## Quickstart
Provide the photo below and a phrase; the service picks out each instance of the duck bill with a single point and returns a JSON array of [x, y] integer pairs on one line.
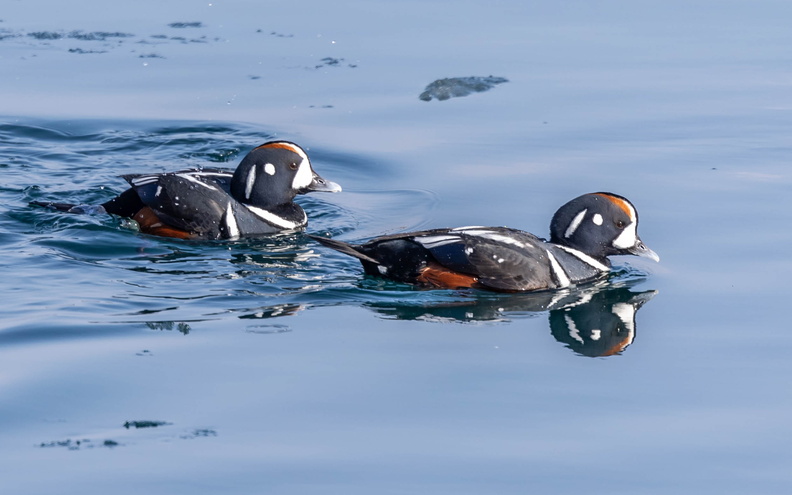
[[319, 184], [641, 250]]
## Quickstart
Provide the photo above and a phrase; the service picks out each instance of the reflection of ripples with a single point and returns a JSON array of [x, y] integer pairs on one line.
[[593, 320], [603, 326]]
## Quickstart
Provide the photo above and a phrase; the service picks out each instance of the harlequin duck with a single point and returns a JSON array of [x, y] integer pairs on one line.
[[583, 233], [256, 199]]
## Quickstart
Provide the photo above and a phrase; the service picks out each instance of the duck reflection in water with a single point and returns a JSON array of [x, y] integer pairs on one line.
[[595, 321]]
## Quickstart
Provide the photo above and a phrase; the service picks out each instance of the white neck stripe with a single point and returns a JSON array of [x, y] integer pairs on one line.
[[275, 219], [585, 258]]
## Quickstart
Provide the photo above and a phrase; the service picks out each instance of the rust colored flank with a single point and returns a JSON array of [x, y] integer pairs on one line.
[[150, 223], [439, 276]]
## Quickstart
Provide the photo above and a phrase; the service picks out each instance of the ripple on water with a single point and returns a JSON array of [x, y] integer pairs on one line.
[[93, 272]]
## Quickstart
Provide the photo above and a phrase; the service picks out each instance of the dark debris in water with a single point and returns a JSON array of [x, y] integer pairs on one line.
[[333, 62], [85, 443], [276, 34], [98, 35], [77, 35], [145, 424], [169, 326], [110, 39], [45, 35], [182, 25], [80, 51], [454, 87], [199, 433]]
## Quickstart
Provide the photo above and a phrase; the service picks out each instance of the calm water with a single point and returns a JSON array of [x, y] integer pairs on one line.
[[134, 364]]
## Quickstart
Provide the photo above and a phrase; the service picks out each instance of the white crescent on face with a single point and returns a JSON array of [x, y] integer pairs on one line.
[[305, 174], [629, 236]]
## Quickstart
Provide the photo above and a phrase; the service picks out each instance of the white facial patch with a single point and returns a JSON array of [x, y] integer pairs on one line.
[[628, 238], [250, 181], [269, 169], [597, 219], [304, 175], [575, 223]]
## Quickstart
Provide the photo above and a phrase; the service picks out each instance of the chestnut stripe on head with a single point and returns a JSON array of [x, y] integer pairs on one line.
[[622, 203], [285, 145]]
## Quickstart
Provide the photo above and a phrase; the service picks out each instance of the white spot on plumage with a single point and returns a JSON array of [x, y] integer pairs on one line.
[[269, 169], [596, 334], [382, 269], [159, 190], [560, 274], [468, 250], [575, 223], [250, 181], [597, 219]]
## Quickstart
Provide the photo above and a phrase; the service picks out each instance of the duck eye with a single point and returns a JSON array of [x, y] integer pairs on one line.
[[620, 224], [293, 166]]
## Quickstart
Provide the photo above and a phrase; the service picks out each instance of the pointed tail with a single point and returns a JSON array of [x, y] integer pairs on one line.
[[54, 206], [70, 207], [343, 247]]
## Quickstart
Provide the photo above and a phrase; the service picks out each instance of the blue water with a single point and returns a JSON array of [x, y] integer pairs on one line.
[[134, 364]]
